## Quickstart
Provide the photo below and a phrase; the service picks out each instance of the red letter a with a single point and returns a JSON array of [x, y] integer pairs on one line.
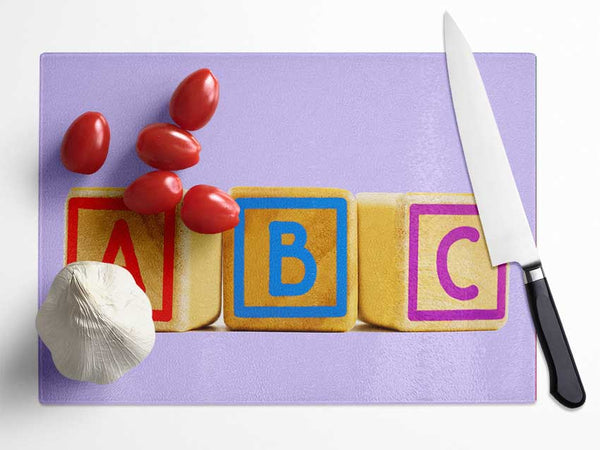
[[120, 238]]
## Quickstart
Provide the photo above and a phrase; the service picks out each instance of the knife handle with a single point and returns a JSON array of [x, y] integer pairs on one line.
[[565, 383]]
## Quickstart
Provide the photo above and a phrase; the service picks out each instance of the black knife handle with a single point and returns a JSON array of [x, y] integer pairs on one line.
[[565, 383]]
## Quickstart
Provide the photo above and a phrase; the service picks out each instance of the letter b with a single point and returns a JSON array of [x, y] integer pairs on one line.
[[297, 249]]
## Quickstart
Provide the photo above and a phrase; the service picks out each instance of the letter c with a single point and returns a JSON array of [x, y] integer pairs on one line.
[[457, 292]]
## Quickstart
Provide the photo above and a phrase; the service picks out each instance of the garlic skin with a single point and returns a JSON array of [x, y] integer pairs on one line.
[[96, 321]]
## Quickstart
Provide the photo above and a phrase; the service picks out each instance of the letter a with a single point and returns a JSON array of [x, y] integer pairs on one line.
[[120, 238]]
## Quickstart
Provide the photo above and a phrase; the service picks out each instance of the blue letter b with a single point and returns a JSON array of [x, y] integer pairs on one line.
[[297, 249]]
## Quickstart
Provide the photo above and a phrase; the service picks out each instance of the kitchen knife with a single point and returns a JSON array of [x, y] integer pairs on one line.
[[503, 218]]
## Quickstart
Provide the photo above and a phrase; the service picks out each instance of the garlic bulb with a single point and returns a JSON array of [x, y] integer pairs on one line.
[[96, 322]]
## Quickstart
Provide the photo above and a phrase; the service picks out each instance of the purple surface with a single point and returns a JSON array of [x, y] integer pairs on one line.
[[364, 122]]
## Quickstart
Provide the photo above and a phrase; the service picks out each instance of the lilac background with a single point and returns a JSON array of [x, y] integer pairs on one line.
[[364, 122]]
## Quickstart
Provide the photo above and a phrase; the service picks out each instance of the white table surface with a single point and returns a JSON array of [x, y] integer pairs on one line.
[[566, 38]]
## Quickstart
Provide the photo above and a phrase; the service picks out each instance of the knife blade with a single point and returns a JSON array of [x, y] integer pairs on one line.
[[505, 226]]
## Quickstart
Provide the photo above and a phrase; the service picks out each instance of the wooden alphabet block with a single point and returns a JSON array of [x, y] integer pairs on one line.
[[291, 263], [424, 266], [179, 270]]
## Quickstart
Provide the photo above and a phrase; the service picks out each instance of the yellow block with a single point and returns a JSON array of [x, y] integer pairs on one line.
[[179, 270], [291, 263], [424, 266]]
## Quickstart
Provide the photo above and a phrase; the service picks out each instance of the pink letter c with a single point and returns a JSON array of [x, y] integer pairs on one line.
[[457, 292]]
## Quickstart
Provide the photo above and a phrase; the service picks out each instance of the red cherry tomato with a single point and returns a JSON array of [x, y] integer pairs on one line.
[[85, 144], [167, 147], [195, 100], [207, 209], [154, 192]]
